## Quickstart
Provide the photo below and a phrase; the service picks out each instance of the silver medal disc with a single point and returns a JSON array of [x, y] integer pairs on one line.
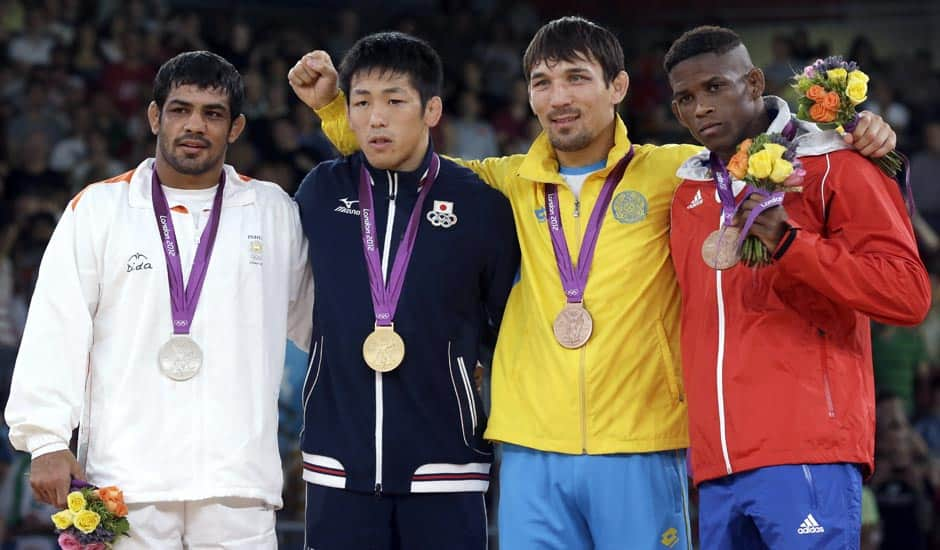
[[180, 358]]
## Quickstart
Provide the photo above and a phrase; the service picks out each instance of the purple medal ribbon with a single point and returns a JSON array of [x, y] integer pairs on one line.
[[385, 299], [183, 301], [575, 280], [728, 204]]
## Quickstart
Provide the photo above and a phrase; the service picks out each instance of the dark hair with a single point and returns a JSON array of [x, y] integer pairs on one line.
[[704, 39], [573, 38], [395, 53], [202, 69]]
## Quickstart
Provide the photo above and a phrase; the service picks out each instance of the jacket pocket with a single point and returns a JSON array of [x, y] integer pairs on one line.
[[673, 378], [824, 361], [468, 411], [313, 371]]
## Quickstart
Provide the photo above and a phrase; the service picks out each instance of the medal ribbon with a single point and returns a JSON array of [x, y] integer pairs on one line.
[[385, 300], [183, 301], [574, 280], [728, 205]]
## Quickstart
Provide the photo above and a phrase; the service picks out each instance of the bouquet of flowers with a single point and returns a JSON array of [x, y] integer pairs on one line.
[[769, 166], [94, 518], [829, 91]]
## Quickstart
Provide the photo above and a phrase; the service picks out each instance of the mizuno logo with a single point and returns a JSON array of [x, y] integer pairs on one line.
[[347, 207], [696, 200], [810, 526]]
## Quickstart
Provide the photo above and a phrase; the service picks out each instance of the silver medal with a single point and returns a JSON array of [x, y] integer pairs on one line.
[[180, 358]]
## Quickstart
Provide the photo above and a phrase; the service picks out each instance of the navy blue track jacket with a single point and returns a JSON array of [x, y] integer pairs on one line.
[[418, 428]]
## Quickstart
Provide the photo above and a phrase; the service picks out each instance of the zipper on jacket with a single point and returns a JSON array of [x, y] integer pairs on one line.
[[379, 403], [830, 407], [719, 371], [582, 376]]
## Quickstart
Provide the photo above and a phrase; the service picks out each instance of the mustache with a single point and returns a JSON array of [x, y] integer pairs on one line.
[[199, 139], [557, 113]]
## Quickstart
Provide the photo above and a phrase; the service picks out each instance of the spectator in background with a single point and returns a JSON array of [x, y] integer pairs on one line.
[[512, 123], [882, 100], [96, 165], [129, 78], [70, 151], [86, 54], [899, 357], [36, 115], [783, 64], [33, 46], [929, 424], [33, 173], [901, 481], [470, 136], [925, 167]]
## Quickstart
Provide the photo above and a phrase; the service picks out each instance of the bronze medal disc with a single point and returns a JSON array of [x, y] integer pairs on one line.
[[573, 326], [720, 249], [383, 350]]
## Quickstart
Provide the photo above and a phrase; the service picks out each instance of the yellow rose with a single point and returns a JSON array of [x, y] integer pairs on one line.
[[782, 170], [63, 519], [775, 150], [87, 521], [857, 76], [856, 91], [837, 75], [76, 502], [760, 164]]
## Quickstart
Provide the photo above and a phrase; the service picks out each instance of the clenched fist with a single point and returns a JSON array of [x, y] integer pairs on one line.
[[51, 475], [314, 79]]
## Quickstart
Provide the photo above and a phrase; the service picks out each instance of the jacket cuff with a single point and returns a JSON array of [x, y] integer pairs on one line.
[[45, 444], [334, 109]]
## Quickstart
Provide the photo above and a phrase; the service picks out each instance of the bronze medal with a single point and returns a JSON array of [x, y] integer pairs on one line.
[[573, 326], [720, 249], [383, 350]]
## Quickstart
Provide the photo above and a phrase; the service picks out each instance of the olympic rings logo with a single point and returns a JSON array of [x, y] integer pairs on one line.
[[442, 219]]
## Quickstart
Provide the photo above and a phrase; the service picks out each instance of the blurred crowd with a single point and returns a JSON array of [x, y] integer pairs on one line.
[[76, 77]]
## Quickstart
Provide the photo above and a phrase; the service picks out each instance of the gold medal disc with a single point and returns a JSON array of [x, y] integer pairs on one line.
[[383, 350]]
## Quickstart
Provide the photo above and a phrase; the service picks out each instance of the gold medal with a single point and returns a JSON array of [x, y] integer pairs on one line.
[[383, 350], [573, 326], [720, 249]]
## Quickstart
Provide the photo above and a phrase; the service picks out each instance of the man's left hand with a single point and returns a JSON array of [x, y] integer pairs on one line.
[[769, 226], [872, 137]]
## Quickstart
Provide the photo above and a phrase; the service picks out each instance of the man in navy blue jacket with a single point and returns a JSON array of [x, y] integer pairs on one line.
[[411, 263]]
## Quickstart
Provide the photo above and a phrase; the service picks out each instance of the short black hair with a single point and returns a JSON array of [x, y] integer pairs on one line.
[[698, 41], [572, 38], [395, 53], [202, 69]]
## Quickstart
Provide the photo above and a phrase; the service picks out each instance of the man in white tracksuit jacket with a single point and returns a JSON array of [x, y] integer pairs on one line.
[[191, 441]]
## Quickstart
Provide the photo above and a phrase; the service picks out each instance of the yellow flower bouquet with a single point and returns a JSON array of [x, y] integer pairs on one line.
[[769, 166], [829, 91], [93, 519]]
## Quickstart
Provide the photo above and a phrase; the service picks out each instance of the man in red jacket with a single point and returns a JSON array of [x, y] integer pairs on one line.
[[777, 360]]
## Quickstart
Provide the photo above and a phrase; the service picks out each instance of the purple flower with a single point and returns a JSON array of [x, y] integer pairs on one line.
[[95, 546]]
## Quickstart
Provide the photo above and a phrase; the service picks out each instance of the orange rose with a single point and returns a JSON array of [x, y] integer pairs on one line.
[[737, 166], [831, 101], [113, 499], [744, 146], [820, 113], [816, 92]]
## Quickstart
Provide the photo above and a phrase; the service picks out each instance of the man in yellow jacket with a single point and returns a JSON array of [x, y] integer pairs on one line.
[[587, 396]]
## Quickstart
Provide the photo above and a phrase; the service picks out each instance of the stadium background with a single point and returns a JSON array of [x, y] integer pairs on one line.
[[75, 78]]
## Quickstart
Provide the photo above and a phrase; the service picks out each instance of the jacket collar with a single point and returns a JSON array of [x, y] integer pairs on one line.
[[407, 181], [238, 189], [810, 140], [541, 164]]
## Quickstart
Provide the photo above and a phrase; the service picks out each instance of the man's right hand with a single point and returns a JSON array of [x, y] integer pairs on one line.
[[314, 79], [51, 476]]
